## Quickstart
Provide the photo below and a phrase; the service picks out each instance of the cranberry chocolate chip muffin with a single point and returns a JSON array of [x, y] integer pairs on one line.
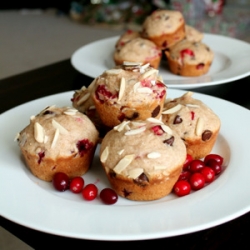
[[188, 58], [164, 27], [142, 159], [195, 123], [138, 50], [129, 92], [58, 140]]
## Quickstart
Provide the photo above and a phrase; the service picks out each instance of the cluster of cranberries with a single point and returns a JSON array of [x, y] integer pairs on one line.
[[89, 192], [196, 174]]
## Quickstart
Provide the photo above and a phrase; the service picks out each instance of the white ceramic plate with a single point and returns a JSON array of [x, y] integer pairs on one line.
[[231, 62], [33, 203]]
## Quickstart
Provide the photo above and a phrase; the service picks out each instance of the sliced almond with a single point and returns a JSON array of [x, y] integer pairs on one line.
[[32, 117], [167, 129], [136, 131], [153, 155], [126, 63], [188, 94], [57, 125], [104, 155], [121, 126], [70, 111], [120, 152], [56, 136], [134, 173], [154, 120], [83, 99], [122, 88], [149, 73], [123, 163], [172, 110], [145, 66], [136, 86], [199, 126], [192, 105], [38, 132]]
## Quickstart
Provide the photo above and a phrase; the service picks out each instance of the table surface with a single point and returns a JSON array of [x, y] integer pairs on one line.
[[61, 77]]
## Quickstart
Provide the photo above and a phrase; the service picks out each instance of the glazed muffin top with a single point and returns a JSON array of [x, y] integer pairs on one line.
[[138, 50], [143, 148], [58, 132], [190, 118], [162, 22], [187, 52], [130, 84]]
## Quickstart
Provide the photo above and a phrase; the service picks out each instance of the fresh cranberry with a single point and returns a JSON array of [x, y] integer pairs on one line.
[[83, 146], [108, 196], [182, 188], [157, 130], [40, 156], [89, 192], [215, 165], [197, 181], [60, 181], [76, 184], [189, 159], [215, 157], [196, 165], [208, 173], [184, 175], [200, 66], [103, 93]]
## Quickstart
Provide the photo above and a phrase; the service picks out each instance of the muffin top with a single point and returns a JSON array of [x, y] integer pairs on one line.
[[190, 118], [131, 84], [142, 149], [58, 132], [192, 34], [187, 52], [138, 50], [126, 37], [162, 22]]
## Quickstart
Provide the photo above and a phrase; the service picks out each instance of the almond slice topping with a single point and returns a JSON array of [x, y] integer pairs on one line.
[[153, 155], [167, 129], [136, 86], [104, 155], [192, 105], [70, 112], [136, 131], [83, 99], [56, 136], [149, 73], [122, 88], [121, 126], [154, 120], [62, 130], [126, 63], [172, 110], [134, 173], [38, 132], [120, 152], [199, 126], [123, 163]]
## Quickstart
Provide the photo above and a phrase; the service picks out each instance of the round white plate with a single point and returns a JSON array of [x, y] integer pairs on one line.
[[231, 62], [33, 203]]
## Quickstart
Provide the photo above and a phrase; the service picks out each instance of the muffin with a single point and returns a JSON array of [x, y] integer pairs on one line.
[[138, 50], [128, 92], [195, 122], [83, 102], [164, 27], [188, 58], [58, 140], [127, 36], [192, 34], [142, 159]]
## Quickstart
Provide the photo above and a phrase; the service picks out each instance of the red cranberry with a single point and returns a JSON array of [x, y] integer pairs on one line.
[[197, 181], [76, 184], [60, 181], [215, 157], [208, 173], [215, 165], [89, 192], [108, 196], [83, 146], [196, 165], [182, 188], [187, 162]]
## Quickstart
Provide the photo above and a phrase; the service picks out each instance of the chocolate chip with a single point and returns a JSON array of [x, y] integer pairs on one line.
[[177, 120], [169, 141], [126, 192], [48, 112], [164, 44], [112, 174], [156, 111], [133, 116], [141, 180], [206, 135]]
